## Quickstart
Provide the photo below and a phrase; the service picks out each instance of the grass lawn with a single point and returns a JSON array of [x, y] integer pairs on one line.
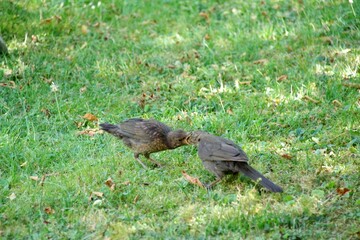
[[281, 78]]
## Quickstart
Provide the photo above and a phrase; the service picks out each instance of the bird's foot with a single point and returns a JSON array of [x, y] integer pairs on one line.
[[207, 186]]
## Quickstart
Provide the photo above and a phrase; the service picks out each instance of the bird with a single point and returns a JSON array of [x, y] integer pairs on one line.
[[222, 156], [146, 136]]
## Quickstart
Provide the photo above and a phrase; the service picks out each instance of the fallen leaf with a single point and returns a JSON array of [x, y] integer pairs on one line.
[[46, 112], [90, 132], [136, 199], [316, 140], [337, 103], [204, 15], [308, 98], [229, 111], [34, 38], [261, 61], [244, 83], [49, 210], [46, 21], [286, 156], [10, 84], [97, 202], [98, 194], [352, 85], [327, 40], [90, 117], [79, 124], [12, 196], [109, 182], [192, 180], [58, 18], [46, 222], [23, 164], [343, 52], [126, 183], [282, 78], [83, 89], [35, 178], [342, 191], [207, 37], [84, 29]]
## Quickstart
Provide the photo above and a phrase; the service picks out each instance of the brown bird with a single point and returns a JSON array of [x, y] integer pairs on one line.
[[146, 137], [222, 157]]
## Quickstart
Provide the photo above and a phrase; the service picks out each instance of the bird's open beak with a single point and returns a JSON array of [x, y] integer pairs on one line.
[[188, 139]]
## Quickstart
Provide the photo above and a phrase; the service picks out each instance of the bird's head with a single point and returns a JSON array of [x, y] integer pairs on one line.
[[177, 138]]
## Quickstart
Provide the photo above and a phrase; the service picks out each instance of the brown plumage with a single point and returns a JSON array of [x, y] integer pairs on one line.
[[146, 136], [222, 156]]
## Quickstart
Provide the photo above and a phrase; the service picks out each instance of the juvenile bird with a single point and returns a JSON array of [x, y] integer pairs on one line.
[[222, 156], [146, 137]]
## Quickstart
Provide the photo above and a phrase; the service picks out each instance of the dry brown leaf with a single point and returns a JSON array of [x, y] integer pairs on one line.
[[229, 111], [282, 78], [136, 199], [46, 112], [261, 61], [126, 183], [192, 180], [10, 84], [90, 132], [286, 156], [308, 98], [58, 18], [337, 103], [35, 178], [90, 117], [98, 194], [352, 85], [47, 21], [342, 191], [49, 210], [204, 15], [109, 182], [207, 37], [84, 29], [79, 124]]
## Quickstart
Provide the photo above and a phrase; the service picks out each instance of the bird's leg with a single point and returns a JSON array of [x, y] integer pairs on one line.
[[208, 186], [152, 160], [136, 155]]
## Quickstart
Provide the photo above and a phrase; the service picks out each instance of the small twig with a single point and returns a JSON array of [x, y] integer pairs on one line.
[[306, 97], [352, 85]]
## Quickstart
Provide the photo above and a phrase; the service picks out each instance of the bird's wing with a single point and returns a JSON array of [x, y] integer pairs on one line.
[[144, 130], [220, 149]]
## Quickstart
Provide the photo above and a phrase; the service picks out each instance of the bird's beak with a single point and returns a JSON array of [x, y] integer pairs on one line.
[[188, 139]]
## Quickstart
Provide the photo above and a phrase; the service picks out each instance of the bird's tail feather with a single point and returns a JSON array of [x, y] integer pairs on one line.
[[250, 172], [112, 129]]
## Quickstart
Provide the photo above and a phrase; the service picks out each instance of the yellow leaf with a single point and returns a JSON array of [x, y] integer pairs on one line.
[[90, 117], [192, 180]]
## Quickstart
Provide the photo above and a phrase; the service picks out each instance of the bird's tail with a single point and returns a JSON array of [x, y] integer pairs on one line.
[[247, 170], [112, 129]]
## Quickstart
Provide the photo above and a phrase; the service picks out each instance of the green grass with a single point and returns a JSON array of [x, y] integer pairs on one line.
[[165, 60]]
